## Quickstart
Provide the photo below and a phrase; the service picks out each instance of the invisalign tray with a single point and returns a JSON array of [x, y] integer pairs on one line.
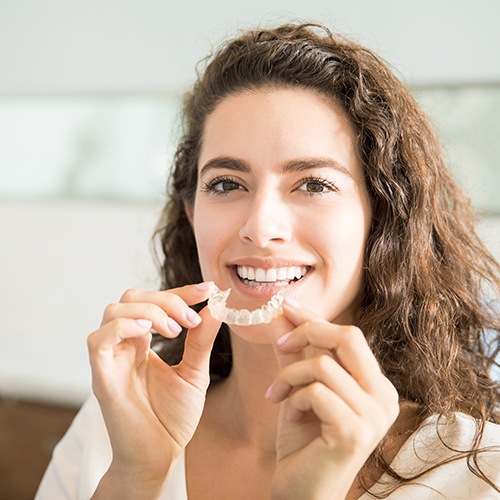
[[219, 311]]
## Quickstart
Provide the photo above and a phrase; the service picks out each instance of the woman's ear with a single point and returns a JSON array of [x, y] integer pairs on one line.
[[188, 208]]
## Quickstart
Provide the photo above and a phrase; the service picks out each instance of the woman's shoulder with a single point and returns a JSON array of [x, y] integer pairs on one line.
[[440, 439], [458, 431], [437, 457]]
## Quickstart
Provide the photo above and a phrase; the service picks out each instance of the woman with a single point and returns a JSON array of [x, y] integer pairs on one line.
[[305, 168]]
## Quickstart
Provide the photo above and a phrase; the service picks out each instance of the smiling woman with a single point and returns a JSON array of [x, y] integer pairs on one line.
[[290, 167], [306, 170]]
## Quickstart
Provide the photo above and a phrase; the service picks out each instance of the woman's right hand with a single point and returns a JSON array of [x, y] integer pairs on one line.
[[151, 409]]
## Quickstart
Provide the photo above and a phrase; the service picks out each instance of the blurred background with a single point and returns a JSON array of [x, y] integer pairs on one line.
[[89, 96]]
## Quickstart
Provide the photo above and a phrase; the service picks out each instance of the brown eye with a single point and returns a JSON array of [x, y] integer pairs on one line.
[[221, 186], [227, 186], [314, 187]]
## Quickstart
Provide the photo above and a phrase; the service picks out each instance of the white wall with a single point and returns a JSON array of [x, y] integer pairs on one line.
[[152, 45], [62, 261]]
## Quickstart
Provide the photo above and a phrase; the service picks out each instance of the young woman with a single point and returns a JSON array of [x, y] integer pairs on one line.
[[305, 168]]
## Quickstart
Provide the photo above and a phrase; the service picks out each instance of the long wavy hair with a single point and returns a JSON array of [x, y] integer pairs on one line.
[[426, 308]]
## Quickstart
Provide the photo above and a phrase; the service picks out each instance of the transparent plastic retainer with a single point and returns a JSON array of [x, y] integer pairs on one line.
[[244, 317]]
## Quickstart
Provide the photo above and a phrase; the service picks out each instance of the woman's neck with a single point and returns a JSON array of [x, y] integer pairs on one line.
[[238, 405]]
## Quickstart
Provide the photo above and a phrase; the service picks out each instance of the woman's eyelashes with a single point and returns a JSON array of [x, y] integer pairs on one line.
[[222, 185], [316, 186]]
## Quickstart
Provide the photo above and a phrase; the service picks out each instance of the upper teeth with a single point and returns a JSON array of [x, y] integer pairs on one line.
[[272, 274]]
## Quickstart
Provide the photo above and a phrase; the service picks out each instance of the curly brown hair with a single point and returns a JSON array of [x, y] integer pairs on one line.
[[424, 307]]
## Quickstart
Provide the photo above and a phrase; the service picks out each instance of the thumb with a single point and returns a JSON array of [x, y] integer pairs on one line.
[[198, 347]]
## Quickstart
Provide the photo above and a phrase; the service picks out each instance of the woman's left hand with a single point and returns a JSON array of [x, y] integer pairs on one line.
[[336, 406]]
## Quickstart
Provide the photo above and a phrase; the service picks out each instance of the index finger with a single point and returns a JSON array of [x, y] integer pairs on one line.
[[175, 302], [193, 294], [190, 294]]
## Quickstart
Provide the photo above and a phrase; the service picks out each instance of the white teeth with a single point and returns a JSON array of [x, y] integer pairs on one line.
[[243, 271], [260, 274], [281, 274], [251, 273], [271, 275], [219, 311]]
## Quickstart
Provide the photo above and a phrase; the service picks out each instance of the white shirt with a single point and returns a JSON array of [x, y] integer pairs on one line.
[[83, 455]]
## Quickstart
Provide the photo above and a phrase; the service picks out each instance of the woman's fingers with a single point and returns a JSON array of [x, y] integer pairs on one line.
[[122, 340], [335, 401], [160, 320], [327, 377], [202, 328], [350, 350], [347, 343], [116, 331], [325, 404], [338, 361], [340, 424], [124, 336], [323, 369], [168, 310], [174, 302]]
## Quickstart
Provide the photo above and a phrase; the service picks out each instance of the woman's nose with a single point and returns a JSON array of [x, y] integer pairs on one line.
[[268, 221]]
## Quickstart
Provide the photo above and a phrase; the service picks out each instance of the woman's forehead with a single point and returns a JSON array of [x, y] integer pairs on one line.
[[279, 126]]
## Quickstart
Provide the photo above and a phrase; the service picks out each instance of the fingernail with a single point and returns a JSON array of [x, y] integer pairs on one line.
[[174, 326], [290, 301], [203, 287], [269, 392], [144, 323], [193, 317], [283, 338]]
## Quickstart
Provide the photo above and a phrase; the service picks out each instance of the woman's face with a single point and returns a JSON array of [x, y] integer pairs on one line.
[[281, 203]]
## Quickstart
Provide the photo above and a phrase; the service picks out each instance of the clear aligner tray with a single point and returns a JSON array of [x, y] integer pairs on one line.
[[265, 314]]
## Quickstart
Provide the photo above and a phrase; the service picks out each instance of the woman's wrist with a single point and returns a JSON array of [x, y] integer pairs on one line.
[[130, 484]]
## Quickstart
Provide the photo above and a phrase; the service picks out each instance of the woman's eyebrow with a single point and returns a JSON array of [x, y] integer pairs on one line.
[[311, 163], [225, 162], [300, 165]]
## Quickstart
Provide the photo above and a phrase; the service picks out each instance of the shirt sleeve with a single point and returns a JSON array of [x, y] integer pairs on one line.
[[80, 459]]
